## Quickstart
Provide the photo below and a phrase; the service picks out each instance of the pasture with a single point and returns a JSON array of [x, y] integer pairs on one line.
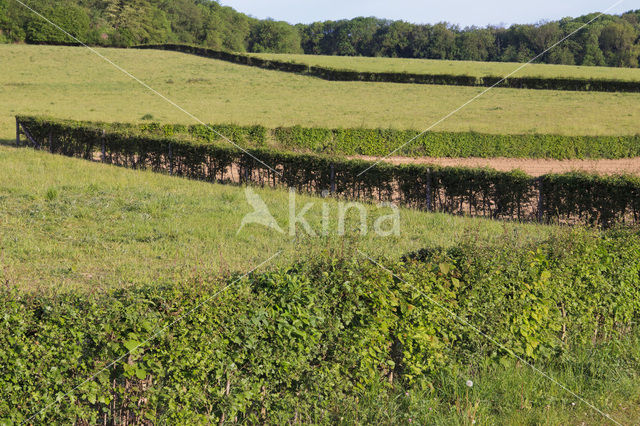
[[71, 82], [77, 225], [470, 68]]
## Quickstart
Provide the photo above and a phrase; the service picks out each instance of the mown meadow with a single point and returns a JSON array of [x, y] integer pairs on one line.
[[70, 82], [471, 68]]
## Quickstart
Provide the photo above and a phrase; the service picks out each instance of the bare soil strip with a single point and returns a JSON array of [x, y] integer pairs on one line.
[[531, 166]]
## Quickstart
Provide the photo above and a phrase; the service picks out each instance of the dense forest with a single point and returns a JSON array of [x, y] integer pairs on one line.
[[612, 40]]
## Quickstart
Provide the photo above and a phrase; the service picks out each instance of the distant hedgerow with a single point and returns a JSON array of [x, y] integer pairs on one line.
[[544, 83]]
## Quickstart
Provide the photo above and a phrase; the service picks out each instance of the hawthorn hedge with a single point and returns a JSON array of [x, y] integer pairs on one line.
[[514, 195], [379, 142], [543, 83], [287, 345]]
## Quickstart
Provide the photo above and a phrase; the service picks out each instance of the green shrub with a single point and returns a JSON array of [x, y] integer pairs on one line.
[[380, 142], [286, 344]]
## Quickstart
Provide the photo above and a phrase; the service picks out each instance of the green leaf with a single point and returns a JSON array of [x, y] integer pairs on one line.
[[131, 345], [445, 268], [141, 373]]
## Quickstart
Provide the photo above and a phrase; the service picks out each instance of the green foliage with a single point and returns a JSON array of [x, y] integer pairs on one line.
[[573, 197], [289, 343], [274, 37], [611, 40], [579, 195], [131, 21], [244, 135], [331, 74], [52, 194], [67, 15], [379, 142], [617, 40], [4, 20], [572, 289], [123, 23]]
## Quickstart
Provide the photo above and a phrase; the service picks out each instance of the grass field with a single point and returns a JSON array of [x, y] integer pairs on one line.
[[70, 82], [73, 224], [472, 68]]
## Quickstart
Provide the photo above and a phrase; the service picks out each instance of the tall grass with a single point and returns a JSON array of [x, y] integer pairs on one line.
[[512, 394]]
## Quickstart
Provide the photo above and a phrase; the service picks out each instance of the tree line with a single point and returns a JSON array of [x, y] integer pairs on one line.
[[612, 40]]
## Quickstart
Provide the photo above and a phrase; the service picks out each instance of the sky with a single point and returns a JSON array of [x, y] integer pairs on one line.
[[461, 12]]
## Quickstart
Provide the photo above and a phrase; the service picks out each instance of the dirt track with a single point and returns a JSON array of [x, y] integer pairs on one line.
[[533, 167]]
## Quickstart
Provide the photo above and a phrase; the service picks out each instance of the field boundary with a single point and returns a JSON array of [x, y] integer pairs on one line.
[[333, 74], [378, 142], [573, 198]]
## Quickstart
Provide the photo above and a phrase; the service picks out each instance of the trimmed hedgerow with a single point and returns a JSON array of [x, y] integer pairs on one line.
[[380, 142], [574, 197], [574, 84]]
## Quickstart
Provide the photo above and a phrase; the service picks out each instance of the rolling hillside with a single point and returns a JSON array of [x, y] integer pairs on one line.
[[71, 82]]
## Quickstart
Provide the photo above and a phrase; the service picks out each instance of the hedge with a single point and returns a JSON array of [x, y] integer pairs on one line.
[[543, 83], [284, 346], [379, 142], [570, 198]]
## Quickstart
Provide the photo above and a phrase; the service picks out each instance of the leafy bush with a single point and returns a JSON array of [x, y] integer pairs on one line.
[[574, 289], [286, 344]]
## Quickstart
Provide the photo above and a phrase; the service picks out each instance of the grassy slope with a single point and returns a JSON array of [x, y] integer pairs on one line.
[[473, 68], [68, 223], [70, 82]]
